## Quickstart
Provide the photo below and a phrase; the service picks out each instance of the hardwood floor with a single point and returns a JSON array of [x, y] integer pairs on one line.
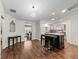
[[33, 50]]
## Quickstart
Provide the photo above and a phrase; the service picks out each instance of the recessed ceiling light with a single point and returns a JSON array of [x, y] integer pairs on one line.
[[52, 19], [64, 10], [53, 13], [46, 25]]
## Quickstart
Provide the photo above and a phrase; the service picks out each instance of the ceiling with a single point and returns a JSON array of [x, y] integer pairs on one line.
[[43, 8]]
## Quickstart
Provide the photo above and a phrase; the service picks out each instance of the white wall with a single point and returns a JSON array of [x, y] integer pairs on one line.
[[1, 8], [38, 30], [1, 13], [74, 29]]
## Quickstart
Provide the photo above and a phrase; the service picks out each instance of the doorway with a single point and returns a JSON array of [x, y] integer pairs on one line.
[[28, 31]]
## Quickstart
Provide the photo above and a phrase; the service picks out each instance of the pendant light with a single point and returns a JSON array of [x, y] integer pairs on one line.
[[33, 5]]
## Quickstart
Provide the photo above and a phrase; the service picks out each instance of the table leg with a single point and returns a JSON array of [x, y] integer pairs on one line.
[[20, 39], [41, 40], [13, 41], [8, 42], [16, 39]]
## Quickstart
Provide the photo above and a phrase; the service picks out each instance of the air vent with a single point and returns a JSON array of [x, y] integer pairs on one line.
[[2, 17], [12, 10], [73, 7]]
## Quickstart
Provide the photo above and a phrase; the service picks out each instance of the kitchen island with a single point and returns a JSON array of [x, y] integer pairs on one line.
[[56, 40]]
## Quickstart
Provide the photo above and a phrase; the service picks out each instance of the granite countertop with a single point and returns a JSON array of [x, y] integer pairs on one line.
[[55, 33]]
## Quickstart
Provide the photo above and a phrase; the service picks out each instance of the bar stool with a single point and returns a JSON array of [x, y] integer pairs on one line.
[[51, 43], [42, 38]]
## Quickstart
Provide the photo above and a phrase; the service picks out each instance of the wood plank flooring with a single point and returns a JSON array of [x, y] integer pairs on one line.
[[33, 50]]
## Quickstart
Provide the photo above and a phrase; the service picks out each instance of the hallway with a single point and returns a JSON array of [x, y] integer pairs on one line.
[[32, 50]]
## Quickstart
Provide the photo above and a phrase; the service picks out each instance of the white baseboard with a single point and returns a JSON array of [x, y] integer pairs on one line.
[[73, 43]]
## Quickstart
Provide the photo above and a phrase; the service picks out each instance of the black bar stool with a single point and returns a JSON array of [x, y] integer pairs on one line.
[[51, 42], [42, 38]]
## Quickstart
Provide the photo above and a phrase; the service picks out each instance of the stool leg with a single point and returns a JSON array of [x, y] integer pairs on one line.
[[41, 42], [20, 39], [8, 42], [16, 40], [49, 45], [13, 41]]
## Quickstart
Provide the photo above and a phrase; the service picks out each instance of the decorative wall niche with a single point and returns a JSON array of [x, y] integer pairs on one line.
[[12, 26]]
